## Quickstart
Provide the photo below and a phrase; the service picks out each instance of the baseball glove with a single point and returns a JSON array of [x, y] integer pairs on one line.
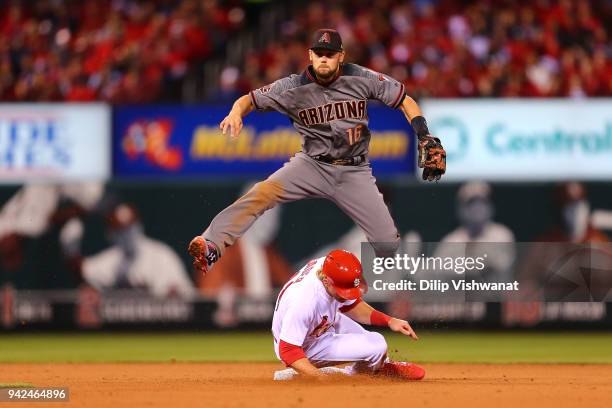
[[432, 158]]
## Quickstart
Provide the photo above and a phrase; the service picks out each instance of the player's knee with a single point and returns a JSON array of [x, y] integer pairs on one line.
[[265, 194], [386, 246], [378, 344]]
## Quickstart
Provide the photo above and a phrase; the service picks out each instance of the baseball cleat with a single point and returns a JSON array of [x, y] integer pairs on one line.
[[204, 254], [402, 369]]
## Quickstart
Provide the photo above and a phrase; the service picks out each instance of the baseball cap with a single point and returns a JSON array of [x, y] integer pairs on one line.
[[326, 39], [344, 271]]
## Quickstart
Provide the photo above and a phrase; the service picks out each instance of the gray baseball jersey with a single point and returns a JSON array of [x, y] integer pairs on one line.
[[332, 118]]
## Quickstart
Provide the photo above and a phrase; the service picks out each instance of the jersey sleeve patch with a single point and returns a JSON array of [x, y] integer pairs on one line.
[[265, 89], [272, 96], [380, 86]]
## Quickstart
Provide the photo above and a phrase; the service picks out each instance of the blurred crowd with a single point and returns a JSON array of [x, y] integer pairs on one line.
[[130, 51], [444, 48], [122, 51]]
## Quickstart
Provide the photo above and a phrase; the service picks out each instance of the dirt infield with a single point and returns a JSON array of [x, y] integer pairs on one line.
[[251, 385]]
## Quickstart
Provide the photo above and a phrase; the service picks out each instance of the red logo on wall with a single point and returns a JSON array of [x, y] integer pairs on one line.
[[150, 138]]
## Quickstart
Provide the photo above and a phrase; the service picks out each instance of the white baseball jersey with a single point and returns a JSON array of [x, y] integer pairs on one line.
[[306, 315], [304, 311]]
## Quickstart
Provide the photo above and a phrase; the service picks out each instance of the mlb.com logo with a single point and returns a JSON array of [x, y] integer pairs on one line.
[[150, 139], [33, 144]]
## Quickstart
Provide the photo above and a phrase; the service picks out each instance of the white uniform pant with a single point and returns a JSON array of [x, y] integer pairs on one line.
[[349, 343]]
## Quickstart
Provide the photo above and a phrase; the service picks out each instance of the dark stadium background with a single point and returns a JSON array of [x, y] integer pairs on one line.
[[160, 73]]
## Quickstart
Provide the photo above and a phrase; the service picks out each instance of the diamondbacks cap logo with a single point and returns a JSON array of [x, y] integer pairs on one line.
[[356, 282], [328, 39]]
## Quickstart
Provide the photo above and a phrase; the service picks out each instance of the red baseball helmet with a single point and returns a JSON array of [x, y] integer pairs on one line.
[[344, 271]]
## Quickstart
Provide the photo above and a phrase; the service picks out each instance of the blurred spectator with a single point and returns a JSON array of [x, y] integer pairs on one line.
[[35, 208], [252, 267], [475, 213], [557, 265], [478, 234], [572, 212], [133, 261]]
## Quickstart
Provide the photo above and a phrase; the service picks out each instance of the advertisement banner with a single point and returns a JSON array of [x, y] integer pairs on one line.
[[54, 142], [520, 139], [185, 141], [124, 310]]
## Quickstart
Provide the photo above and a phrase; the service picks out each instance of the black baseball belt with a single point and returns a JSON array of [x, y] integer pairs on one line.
[[345, 161]]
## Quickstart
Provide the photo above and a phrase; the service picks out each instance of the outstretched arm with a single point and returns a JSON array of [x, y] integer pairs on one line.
[[432, 156], [410, 108], [414, 116], [366, 314], [242, 107]]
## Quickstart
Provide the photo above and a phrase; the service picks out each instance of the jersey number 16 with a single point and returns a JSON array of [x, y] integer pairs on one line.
[[354, 134]]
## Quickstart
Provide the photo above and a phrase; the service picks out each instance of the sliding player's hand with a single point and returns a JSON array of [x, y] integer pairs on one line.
[[402, 326]]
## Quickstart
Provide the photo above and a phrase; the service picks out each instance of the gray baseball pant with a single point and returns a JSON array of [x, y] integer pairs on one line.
[[352, 188]]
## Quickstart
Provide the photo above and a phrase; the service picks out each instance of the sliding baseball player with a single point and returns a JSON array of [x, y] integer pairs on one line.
[[318, 317]]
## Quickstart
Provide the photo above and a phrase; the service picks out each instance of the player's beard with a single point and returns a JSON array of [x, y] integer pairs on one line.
[[326, 76]]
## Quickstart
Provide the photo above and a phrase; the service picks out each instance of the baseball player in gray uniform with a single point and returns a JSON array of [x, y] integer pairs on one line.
[[327, 105]]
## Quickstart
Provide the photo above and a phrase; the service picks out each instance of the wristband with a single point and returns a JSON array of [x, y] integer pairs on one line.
[[379, 318], [419, 124]]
